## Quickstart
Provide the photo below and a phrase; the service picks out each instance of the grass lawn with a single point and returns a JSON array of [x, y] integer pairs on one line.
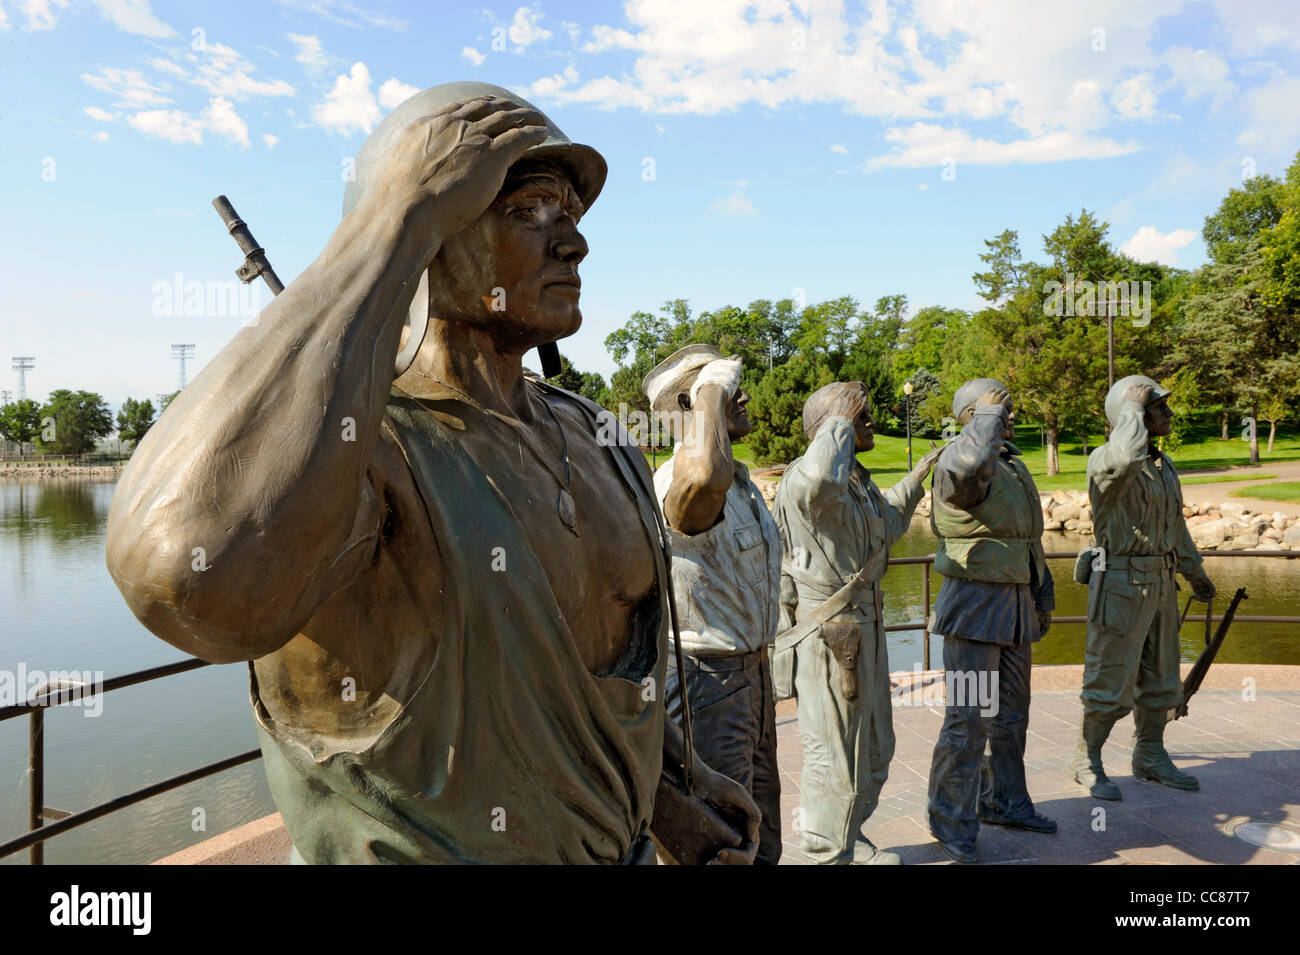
[[1281, 491], [1203, 449], [1229, 476]]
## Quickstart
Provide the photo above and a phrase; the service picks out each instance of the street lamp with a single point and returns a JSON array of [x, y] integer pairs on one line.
[[907, 399]]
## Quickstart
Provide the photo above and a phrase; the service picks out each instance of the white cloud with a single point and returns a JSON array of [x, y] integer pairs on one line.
[[100, 115], [220, 117], [178, 127], [346, 13], [1256, 26], [129, 86], [270, 139], [837, 148], [927, 144], [134, 16], [1272, 120], [1028, 72], [349, 105], [102, 136], [736, 204], [525, 29], [40, 14], [473, 55], [393, 93], [169, 124], [1135, 98], [1149, 244], [309, 52], [1200, 73], [224, 72]]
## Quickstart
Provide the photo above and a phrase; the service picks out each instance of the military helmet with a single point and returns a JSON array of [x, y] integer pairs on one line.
[[1115, 397]]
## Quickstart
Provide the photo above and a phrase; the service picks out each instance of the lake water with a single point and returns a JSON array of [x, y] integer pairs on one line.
[[59, 610]]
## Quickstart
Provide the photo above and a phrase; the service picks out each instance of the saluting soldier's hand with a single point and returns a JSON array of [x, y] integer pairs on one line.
[[994, 396], [1139, 393], [446, 169], [1202, 587]]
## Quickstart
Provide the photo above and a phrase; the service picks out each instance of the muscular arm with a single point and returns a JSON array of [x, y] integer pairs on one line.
[[1120, 459], [250, 463], [703, 470], [249, 502], [963, 474]]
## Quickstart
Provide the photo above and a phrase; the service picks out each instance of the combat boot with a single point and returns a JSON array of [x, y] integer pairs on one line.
[[1086, 763], [1150, 758]]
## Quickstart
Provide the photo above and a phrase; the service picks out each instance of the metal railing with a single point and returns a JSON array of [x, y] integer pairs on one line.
[[54, 695], [928, 561], [47, 695]]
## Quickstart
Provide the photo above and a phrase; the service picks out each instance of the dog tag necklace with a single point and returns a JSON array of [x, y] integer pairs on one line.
[[564, 504]]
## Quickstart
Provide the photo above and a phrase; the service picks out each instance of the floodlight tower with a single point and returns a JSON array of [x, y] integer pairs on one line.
[[4, 397], [23, 364], [180, 353]]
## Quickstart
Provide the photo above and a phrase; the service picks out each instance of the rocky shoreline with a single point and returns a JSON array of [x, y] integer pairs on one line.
[[44, 472], [1227, 526]]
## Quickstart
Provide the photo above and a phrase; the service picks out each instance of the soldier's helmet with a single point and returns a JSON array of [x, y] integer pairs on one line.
[[1115, 397]]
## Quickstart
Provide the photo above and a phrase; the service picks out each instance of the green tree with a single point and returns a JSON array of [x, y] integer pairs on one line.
[[80, 418], [1242, 215], [20, 422], [165, 402], [776, 409], [134, 419], [1256, 342], [1281, 247], [924, 385], [1005, 272]]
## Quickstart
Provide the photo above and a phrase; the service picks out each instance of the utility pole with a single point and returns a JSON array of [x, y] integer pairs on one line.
[[23, 364], [182, 352]]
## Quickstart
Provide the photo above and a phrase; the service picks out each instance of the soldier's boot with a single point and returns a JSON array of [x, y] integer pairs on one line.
[[1150, 758], [1086, 763]]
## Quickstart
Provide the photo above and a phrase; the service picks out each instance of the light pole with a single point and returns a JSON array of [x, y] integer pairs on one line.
[[907, 412]]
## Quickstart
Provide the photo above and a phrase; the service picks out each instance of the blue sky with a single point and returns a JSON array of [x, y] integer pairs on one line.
[[810, 148]]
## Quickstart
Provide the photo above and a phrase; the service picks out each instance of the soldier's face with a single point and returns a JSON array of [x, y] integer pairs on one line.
[[1159, 419], [515, 270], [864, 429], [738, 423], [1010, 433]]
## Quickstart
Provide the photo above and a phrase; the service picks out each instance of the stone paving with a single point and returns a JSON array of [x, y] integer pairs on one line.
[[1246, 754]]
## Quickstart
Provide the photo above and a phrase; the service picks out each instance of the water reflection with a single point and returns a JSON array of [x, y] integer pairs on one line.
[[64, 510], [1273, 586]]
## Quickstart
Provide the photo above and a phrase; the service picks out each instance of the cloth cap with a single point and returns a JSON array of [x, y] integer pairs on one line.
[[675, 374], [585, 166], [1115, 397], [970, 393], [820, 402]]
